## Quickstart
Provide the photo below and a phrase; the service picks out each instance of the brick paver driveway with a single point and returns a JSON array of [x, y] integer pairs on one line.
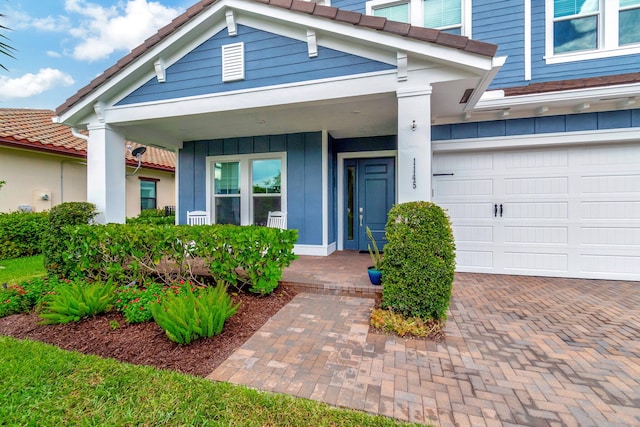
[[519, 351]]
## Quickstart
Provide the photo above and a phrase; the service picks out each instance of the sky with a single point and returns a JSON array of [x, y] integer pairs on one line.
[[61, 45]]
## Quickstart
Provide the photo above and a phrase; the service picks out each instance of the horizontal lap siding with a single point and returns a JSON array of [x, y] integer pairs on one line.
[[538, 125], [270, 60], [304, 176], [352, 5]]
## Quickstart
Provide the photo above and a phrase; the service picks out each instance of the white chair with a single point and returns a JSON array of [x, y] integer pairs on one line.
[[277, 219], [198, 218]]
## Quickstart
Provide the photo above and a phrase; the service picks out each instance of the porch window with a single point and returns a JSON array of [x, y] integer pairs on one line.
[[394, 12], [266, 179], [226, 193], [245, 188], [148, 193]]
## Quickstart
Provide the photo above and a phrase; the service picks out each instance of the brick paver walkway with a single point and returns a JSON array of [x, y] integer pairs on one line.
[[519, 351]]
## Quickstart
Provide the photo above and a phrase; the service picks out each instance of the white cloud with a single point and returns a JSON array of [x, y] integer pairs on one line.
[[104, 30], [54, 54], [33, 84], [23, 21]]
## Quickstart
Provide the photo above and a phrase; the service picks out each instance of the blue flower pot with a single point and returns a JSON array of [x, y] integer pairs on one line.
[[375, 276]]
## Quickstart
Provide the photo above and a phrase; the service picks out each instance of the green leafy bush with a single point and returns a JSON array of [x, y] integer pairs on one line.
[[135, 303], [199, 314], [419, 261], [154, 217], [55, 239], [21, 298], [21, 233], [253, 255], [76, 301]]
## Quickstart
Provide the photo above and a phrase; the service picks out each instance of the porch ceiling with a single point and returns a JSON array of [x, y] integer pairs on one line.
[[352, 117]]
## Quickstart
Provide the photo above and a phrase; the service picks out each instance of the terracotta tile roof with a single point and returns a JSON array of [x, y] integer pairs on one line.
[[308, 7], [34, 129], [584, 83]]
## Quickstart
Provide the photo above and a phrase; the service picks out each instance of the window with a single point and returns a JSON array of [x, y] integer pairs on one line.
[[451, 16], [148, 194], [589, 29], [245, 188]]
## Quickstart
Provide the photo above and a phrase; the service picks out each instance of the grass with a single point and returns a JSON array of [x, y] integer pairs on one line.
[[21, 269], [45, 386]]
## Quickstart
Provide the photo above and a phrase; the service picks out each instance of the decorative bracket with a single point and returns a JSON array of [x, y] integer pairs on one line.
[[99, 108], [312, 44], [160, 70], [232, 29], [403, 66]]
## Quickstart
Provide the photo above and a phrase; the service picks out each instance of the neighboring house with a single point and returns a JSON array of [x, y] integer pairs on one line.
[[44, 164], [517, 116]]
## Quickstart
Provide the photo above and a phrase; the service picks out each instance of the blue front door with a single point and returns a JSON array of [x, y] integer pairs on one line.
[[369, 194]]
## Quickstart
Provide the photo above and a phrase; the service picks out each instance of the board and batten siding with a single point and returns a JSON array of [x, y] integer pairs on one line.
[[304, 176], [270, 59], [538, 125]]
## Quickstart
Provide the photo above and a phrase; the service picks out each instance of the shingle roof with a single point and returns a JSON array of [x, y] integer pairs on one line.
[[583, 83], [34, 129], [308, 7]]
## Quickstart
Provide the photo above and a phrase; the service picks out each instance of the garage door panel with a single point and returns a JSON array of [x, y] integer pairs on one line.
[[529, 186], [610, 184], [610, 264], [537, 210], [536, 235], [464, 163], [609, 156], [464, 187], [473, 234], [468, 210], [536, 159], [610, 210], [532, 261], [470, 260], [610, 236]]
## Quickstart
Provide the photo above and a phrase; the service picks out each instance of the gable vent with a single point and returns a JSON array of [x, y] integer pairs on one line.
[[233, 62]]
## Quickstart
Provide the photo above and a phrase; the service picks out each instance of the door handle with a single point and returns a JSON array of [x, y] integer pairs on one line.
[[495, 210], [500, 210], [361, 216]]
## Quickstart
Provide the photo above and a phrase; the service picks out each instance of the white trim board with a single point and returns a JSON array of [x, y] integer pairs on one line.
[[356, 155], [314, 250]]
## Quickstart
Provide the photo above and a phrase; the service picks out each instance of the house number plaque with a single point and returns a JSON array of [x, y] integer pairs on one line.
[[414, 173]]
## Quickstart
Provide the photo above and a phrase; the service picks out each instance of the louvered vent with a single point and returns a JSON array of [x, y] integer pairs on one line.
[[233, 62]]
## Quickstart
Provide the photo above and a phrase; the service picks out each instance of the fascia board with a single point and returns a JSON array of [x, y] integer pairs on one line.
[[490, 102], [369, 36]]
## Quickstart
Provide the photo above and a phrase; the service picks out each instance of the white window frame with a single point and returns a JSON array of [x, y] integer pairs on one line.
[[416, 12], [246, 195], [608, 46]]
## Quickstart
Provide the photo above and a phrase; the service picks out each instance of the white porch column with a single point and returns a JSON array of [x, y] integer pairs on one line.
[[414, 144], [106, 173]]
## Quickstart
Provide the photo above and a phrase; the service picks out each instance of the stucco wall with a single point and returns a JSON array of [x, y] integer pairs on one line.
[[29, 175]]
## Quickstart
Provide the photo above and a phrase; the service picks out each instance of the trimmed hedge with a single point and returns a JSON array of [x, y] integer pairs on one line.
[[55, 243], [153, 216], [419, 261], [250, 255], [21, 233]]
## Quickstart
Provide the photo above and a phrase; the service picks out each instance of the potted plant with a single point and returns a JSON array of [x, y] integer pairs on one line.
[[375, 273]]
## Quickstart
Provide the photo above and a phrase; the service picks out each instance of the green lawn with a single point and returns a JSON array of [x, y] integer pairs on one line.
[[21, 269], [45, 386]]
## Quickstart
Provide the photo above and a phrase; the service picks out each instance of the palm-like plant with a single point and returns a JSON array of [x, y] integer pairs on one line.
[[5, 48]]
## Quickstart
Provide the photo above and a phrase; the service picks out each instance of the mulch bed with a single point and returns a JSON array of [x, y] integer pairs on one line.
[[146, 343]]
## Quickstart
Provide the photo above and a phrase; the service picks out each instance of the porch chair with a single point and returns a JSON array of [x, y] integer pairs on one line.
[[277, 219], [198, 218]]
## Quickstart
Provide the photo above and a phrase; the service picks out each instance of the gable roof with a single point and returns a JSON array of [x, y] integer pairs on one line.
[[35, 130], [583, 83], [309, 7]]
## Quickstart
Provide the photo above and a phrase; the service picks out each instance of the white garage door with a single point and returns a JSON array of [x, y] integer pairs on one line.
[[570, 212]]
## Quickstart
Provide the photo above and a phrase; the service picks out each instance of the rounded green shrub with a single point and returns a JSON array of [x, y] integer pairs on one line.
[[56, 239], [419, 261], [21, 233]]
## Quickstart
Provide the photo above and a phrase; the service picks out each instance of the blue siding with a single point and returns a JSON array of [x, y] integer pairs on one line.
[[352, 5], [539, 125], [304, 176], [270, 59]]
